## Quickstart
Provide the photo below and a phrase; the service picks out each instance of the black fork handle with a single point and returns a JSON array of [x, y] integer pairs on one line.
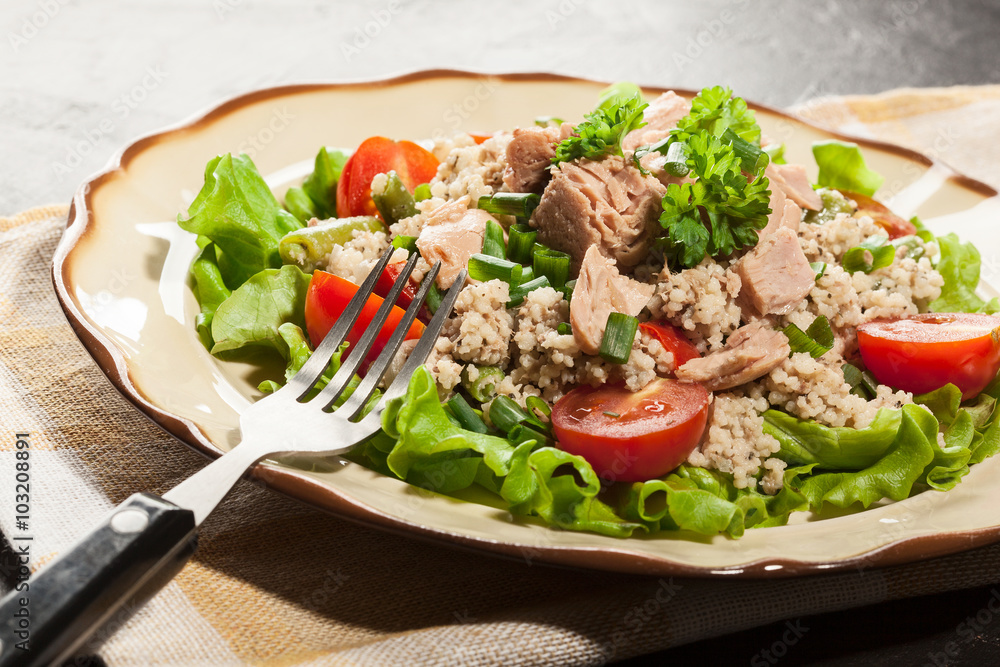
[[138, 547]]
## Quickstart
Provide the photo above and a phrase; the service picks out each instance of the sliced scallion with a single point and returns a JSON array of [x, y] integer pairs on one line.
[[527, 274], [422, 192], [875, 253], [518, 292], [434, 297], [676, 164], [493, 240], [521, 433], [861, 382], [484, 387], [518, 204], [464, 413], [537, 409], [751, 157], [619, 334], [819, 268], [550, 263], [487, 267], [564, 329], [545, 121], [520, 243], [914, 249], [408, 243], [816, 341], [505, 414]]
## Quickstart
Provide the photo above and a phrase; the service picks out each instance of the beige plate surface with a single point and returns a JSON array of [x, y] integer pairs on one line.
[[120, 273]]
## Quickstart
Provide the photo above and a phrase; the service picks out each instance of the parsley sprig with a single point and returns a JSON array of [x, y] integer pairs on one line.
[[723, 209], [602, 132]]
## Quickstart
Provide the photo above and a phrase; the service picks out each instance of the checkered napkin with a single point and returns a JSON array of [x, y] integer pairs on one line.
[[277, 583]]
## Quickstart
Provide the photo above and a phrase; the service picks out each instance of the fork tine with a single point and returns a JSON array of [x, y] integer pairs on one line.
[[307, 376], [356, 403], [357, 354], [426, 343]]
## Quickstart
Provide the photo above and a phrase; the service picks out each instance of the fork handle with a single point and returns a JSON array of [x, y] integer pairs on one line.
[[139, 546]]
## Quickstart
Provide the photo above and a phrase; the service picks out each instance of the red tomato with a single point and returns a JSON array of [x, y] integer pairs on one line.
[[388, 279], [672, 339], [631, 437], [378, 155], [325, 301], [925, 352], [893, 225]]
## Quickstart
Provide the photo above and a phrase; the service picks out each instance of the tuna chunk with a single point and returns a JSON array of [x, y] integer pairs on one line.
[[599, 291], [784, 213], [608, 204], [661, 116], [452, 234], [529, 155], [751, 351], [792, 180], [775, 275]]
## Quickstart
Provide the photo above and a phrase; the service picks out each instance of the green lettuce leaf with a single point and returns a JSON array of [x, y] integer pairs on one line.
[[209, 288], [237, 212], [842, 166], [832, 448], [252, 316], [317, 198], [959, 266]]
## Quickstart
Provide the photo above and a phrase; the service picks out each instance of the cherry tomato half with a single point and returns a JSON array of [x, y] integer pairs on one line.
[[326, 299], [378, 155], [631, 437], [672, 339], [925, 352], [893, 225]]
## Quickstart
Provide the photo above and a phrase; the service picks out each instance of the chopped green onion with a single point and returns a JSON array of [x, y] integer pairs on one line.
[[861, 382], [819, 268], [434, 297], [751, 157], [464, 413], [484, 387], [394, 202], [608, 413], [505, 414], [776, 152], [422, 192], [522, 433], [914, 249], [551, 263], [619, 334], [817, 340], [493, 240], [519, 204], [486, 267], [527, 274], [545, 121], [875, 253], [407, 243], [564, 329], [536, 406], [520, 243], [518, 292], [676, 164]]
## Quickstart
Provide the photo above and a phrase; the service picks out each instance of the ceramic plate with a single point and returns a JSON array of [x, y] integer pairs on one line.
[[120, 273]]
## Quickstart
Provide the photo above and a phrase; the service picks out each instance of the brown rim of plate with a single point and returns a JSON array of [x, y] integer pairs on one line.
[[113, 364]]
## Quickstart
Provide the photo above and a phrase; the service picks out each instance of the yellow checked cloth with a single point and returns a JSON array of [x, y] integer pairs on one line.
[[277, 583]]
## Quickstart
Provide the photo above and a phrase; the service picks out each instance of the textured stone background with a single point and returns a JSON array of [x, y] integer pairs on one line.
[[81, 78]]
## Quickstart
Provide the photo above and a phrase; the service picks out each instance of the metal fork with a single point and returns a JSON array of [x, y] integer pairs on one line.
[[147, 539]]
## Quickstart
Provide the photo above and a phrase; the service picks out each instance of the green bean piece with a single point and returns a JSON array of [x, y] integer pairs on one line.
[[394, 202], [484, 387], [307, 247]]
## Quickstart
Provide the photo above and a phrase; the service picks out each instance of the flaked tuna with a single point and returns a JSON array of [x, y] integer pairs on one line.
[[452, 234], [792, 180], [529, 155], [784, 213], [775, 275], [661, 116], [609, 204], [599, 291], [751, 351]]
